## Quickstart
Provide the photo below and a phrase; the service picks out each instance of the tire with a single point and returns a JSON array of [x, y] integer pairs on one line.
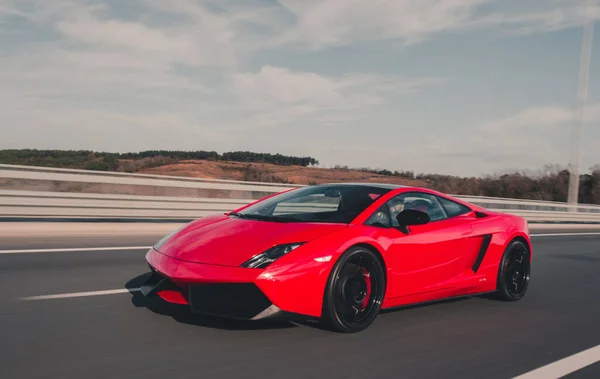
[[354, 292], [514, 272]]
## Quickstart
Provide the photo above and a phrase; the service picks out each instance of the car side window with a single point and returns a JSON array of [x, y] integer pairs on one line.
[[381, 218], [452, 208], [416, 200], [436, 207]]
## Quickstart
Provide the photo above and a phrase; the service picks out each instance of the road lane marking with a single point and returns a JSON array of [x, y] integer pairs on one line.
[[81, 294], [565, 366], [119, 248], [75, 249]]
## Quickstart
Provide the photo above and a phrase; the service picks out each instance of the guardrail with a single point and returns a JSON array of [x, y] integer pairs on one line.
[[121, 178], [210, 196]]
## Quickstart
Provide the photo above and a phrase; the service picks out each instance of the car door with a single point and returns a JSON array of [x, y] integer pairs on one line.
[[432, 256]]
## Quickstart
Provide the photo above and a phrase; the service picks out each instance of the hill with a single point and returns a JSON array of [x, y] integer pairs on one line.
[[550, 183], [265, 172]]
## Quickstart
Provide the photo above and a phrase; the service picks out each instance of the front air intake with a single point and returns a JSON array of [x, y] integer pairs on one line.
[[233, 300]]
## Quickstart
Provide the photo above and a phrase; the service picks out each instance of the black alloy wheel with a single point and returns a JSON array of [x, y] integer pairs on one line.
[[514, 272], [355, 291]]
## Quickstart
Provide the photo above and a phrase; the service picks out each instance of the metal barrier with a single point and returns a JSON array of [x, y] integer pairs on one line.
[[18, 203], [87, 176]]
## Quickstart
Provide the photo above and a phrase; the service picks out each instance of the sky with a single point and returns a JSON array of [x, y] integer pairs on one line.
[[461, 87]]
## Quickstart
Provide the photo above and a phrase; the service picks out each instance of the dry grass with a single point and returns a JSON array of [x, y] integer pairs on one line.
[[256, 172], [273, 173]]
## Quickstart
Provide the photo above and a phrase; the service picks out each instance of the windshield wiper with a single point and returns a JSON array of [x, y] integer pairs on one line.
[[263, 217], [250, 216]]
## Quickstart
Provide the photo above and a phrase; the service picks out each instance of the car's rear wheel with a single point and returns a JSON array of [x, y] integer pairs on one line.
[[514, 272], [355, 291]]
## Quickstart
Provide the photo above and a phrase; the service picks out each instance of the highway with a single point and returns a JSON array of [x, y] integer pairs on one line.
[[119, 335]]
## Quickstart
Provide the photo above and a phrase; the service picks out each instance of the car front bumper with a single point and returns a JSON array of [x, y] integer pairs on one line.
[[221, 291]]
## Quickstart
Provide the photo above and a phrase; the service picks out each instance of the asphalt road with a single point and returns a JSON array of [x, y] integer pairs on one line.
[[122, 336]]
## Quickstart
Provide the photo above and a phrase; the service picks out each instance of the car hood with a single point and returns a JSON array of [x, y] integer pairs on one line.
[[229, 241]]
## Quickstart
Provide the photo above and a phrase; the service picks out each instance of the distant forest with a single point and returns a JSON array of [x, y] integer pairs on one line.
[[549, 183], [101, 161]]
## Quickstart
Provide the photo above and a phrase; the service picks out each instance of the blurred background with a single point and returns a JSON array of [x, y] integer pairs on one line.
[[123, 119], [453, 95]]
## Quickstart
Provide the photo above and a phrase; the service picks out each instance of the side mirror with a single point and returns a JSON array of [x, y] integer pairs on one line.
[[410, 217]]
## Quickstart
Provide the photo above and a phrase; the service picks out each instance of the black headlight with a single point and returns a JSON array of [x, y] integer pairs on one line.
[[163, 240], [265, 258]]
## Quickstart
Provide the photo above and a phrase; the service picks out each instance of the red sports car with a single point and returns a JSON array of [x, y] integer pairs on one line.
[[340, 253]]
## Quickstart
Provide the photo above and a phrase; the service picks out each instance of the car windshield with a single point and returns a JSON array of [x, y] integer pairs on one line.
[[322, 203]]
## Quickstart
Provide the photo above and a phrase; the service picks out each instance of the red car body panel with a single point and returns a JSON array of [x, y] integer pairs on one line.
[[434, 261], [226, 241]]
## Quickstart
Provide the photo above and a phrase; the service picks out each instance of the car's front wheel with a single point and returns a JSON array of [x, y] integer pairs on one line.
[[355, 291], [514, 272]]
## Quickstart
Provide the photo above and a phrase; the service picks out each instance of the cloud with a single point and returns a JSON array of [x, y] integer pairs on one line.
[[228, 74], [531, 138], [283, 86], [541, 16], [531, 118], [104, 129], [200, 32], [199, 41], [539, 119], [95, 54], [325, 23], [322, 23], [276, 94], [276, 86]]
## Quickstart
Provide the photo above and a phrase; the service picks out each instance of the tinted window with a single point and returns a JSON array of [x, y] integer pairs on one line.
[[324, 203], [413, 200], [452, 208], [425, 203], [381, 218]]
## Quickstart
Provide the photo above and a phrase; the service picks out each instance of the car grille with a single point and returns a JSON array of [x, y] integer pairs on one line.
[[234, 300]]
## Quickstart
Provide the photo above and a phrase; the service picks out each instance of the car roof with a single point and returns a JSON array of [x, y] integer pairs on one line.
[[364, 184], [388, 186]]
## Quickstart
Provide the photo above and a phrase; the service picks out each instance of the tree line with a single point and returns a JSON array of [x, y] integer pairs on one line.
[[92, 160], [550, 183]]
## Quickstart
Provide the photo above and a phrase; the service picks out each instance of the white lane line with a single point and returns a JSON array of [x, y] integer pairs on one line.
[[118, 248], [80, 294], [75, 249], [565, 366], [565, 234]]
